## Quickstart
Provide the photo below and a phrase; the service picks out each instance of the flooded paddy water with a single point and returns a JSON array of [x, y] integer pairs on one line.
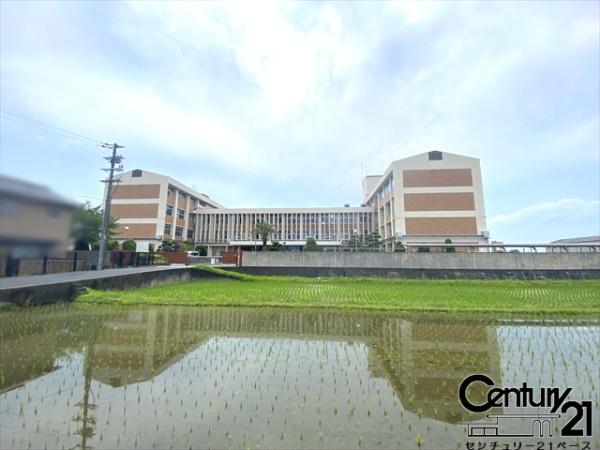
[[76, 376]]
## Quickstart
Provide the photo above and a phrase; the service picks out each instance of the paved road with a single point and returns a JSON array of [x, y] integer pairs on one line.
[[38, 280]]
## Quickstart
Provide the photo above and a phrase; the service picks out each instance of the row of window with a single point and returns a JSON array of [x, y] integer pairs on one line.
[[289, 236], [306, 218], [194, 202], [178, 231], [387, 187], [180, 212]]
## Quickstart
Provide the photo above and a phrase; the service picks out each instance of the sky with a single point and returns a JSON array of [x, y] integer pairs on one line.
[[262, 104]]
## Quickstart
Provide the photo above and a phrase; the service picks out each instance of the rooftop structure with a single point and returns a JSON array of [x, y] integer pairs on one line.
[[570, 244]]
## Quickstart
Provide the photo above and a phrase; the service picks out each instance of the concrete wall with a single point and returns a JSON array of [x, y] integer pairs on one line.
[[444, 261], [40, 294]]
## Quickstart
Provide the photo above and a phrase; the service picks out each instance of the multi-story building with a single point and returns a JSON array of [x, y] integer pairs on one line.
[[328, 226], [428, 198], [421, 200], [151, 208]]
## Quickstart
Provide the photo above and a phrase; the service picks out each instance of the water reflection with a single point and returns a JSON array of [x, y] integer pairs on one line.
[[222, 377], [423, 360]]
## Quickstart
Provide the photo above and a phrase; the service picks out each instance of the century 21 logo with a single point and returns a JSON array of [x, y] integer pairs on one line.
[[553, 398]]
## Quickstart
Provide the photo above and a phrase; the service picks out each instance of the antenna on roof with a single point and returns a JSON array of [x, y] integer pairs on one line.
[[362, 168]]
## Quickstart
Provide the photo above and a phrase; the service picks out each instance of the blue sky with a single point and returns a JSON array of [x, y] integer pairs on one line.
[[276, 104]]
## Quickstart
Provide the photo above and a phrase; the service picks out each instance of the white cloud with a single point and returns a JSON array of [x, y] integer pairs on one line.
[[293, 94], [569, 209], [292, 56]]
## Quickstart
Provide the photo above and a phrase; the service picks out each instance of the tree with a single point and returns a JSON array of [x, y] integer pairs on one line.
[[187, 246], [202, 250], [275, 246], [129, 245], [111, 245], [86, 225], [373, 240], [449, 249], [311, 245], [169, 246], [399, 247], [81, 245], [354, 243], [264, 230]]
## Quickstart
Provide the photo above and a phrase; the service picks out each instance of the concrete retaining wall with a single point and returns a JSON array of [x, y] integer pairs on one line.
[[480, 274], [453, 261], [40, 294], [423, 265]]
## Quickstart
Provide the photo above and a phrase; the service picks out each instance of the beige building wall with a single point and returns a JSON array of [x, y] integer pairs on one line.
[[140, 203], [427, 198]]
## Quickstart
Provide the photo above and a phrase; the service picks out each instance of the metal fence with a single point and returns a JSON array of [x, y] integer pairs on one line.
[[11, 266]]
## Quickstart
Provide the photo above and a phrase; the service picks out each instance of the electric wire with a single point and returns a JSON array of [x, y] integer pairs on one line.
[[51, 129]]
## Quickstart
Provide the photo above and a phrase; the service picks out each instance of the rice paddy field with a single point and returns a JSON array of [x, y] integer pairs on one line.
[[510, 296], [101, 376]]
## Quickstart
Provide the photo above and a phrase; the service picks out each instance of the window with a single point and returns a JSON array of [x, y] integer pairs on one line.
[[435, 156], [169, 210], [53, 213], [180, 213], [167, 230], [137, 173], [190, 233], [8, 208], [178, 231]]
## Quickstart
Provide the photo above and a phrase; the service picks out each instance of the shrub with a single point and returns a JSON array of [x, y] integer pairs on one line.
[[423, 250], [169, 246], [399, 247], [160, 259], [311, 245], [129, 245], [110, 246], [449, 249], [202, 250], [81, 245]]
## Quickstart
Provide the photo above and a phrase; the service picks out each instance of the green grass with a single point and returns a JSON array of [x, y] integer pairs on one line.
[[368, 293]]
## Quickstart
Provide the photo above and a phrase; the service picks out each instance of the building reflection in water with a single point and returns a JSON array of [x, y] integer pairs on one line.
[[424, 360]]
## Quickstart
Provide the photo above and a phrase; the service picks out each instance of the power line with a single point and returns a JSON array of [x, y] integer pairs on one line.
[[61, 130], [50, 128]]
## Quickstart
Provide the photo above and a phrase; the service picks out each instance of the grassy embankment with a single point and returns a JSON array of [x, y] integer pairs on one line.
[[580, 297]]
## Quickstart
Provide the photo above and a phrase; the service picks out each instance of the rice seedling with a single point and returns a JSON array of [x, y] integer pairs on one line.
[[231, 378]]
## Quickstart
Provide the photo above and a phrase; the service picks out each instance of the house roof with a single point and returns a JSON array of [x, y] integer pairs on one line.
[[577, 240], [18, 188]]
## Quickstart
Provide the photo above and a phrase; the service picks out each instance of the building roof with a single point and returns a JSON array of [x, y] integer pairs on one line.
[[578, 240], [179, 185], [18, 188]]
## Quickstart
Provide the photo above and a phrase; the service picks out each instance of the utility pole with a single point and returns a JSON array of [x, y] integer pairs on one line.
[[114, 161]]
